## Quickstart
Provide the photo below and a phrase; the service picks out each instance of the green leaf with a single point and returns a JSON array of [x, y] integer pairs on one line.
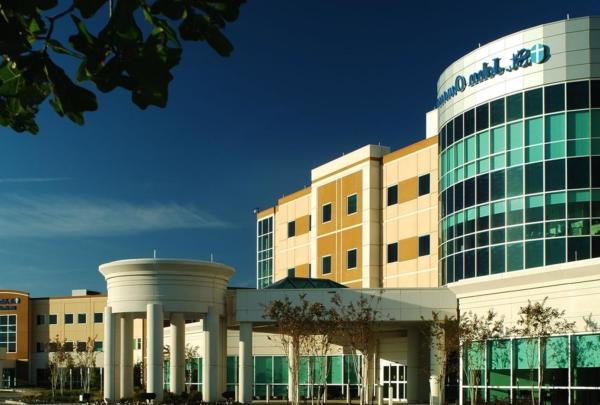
[[69, 99], [88, 8]]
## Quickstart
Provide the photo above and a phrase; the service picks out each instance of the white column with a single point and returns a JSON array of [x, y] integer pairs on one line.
[[154, 314], [177, 366], [109, 355], [246, 363], [126, 354], [210, 362]]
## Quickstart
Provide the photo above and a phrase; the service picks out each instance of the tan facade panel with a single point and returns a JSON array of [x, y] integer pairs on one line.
[[327, 194], [294, 196], [327, 246], [408, 189], [397, 154], [408, 249], [302, 225], [303, 270], [351, 185], [350, 239]]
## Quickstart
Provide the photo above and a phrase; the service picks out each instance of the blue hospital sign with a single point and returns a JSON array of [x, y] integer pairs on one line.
[[521, 59]]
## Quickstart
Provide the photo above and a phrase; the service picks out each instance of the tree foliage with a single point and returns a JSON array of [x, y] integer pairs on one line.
[[135, 48], [539, 321], [86, 360], [59, 361]]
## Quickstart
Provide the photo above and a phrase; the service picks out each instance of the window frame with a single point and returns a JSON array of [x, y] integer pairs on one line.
[[424, 237], [355, 250], [323, 221], [72, 319], [100, 315], [52, 319], [387, 257], [395, 187], [291, 229], [348, 204], [323, 264], [79, 317]]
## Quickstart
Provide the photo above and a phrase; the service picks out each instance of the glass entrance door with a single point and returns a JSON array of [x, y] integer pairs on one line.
[[393, 375]]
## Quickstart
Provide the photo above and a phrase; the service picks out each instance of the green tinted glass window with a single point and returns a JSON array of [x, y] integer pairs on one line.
[[497, 112], [579, 147], [460, 157], [534, 208], [497, 259], [578, 94], [515, 157], [470, 149], [515, 211], [514, 233], [514, 255], [555, 150], [534, 254], [515, 135], [533, 102], [499, 355], [595, 124], [555, 251], [578, 125], [514, 181], [498, 161], [556, 205], [514, 107], [534, 178], [534, 153], [483, 144], [555, 174], [555, 127], [555, 229], [534, 131], [579, 204], [554, 98], [498, 141]]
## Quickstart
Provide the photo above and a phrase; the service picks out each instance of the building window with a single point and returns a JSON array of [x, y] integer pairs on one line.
[[68, 319], [423, 245], [52, 319], [291, 229], [68, 347], [351, 259], [352, 204], [81, 346], [40, 319], [264, 252], [98, 346], [81, 318], [98, 317], [8, 333], [392, 252], [424, 184], [137, 344], [392, 195], [326, 264], [326, 213], [39, 347]]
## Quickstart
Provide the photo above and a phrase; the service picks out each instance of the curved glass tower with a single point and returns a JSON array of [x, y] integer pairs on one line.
[[519, 142]]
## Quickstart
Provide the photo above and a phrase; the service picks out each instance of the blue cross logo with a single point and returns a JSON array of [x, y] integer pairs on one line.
[[538, 53]]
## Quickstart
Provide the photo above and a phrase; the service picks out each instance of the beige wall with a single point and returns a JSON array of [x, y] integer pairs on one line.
[[411, 217]]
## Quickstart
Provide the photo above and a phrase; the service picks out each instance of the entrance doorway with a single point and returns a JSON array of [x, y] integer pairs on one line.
[[393, 375]]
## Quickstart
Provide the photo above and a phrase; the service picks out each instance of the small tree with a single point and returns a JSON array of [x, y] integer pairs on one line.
[[295, 326], [191, 354], [357, 324], [441, 334], [86, 360], [537, 321], [59, 360], [474, 331]]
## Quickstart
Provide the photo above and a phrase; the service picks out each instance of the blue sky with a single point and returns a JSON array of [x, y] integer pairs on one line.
[[308, 80]]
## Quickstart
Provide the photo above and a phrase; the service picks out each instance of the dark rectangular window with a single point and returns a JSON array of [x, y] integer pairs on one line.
[[483, 188], [555, 174], [458, 196], [595, 93], [470, 264], [469, 192], [578, 95], [392, 252], [352, 204], [595, 171], [496, 112], [458, 128], [291, 229], [450, 200], [98, 317], [450, 132], [554, 98], [39, 347], [497, 259], [40, 319], [98, 346], [81, 318], [423, 245], [555, 251], [481, 120], [578, 248], [533, 102], [514, 107], [351, 259], [68, 346], [392, 195], [81, 346], [424, 184], [443, 139], [514, 181], [483, 258], [326, 264], [534, 178], [469, 122], [68, 319], [326, 213], [52, 319], [497, 187], [578, 172]]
